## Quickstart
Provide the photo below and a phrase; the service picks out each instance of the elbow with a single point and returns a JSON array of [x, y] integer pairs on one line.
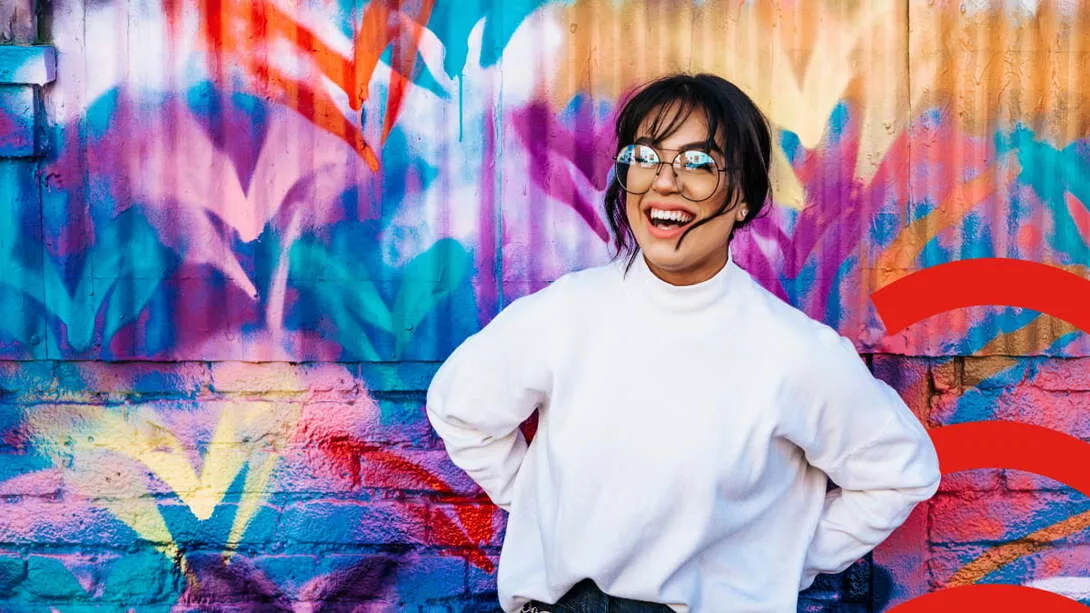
[[930, 472]]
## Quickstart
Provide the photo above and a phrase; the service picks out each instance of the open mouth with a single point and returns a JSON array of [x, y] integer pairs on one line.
[[668, 223]]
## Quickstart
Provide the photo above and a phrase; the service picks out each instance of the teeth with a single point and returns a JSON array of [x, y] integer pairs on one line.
[[678, 216]]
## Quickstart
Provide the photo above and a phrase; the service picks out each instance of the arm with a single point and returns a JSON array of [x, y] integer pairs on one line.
[[487, 387], [857, 430]]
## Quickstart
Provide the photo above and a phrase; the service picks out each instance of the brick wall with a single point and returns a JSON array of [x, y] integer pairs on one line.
[[215, 484]]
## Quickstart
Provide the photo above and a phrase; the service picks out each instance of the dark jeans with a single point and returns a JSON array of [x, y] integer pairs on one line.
[[585, 597]]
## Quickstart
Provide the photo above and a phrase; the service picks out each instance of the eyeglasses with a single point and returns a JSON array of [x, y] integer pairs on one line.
[[696, 173]]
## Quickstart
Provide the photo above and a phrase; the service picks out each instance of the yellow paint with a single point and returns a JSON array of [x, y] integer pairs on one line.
[[798, 60], [110, 451], [797, 64]]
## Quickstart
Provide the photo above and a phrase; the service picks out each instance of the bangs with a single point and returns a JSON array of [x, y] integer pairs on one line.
[[666, 110]]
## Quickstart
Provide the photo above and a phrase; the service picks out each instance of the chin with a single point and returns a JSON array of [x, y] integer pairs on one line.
[[666, 256]]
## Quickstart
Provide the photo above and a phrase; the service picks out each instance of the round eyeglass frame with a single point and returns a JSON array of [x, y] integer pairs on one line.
[[674, 164]]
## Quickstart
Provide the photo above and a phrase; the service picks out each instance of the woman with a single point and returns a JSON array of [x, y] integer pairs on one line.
[[688, 418]]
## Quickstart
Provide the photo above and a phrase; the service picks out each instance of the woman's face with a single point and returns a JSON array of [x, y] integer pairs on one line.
[[704, 251]]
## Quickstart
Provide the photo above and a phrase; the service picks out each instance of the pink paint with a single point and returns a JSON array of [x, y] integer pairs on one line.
[[1079, 214], [487, 288]]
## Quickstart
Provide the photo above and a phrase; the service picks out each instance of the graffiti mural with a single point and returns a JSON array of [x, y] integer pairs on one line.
[[240, 237]]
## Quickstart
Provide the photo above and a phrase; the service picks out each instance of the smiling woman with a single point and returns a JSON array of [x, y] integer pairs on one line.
[[682, 212], [737, 407]]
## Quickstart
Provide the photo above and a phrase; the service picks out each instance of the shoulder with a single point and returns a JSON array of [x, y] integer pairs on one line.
[[570, 292], [802, 344]]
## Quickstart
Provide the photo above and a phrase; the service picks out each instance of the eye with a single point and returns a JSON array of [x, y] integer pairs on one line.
[[643, 156], [697, 161]]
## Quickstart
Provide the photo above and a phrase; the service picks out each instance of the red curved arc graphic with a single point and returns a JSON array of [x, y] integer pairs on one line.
[[1006, 444], [980, 282], [994, 598]]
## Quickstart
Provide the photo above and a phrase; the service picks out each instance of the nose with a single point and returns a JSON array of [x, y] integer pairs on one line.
[[666, 181]]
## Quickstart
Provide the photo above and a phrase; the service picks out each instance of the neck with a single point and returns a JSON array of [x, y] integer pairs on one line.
[[692, 275], [713, 285]]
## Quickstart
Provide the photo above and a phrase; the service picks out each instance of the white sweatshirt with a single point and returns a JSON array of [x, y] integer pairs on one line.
[[684, 438]]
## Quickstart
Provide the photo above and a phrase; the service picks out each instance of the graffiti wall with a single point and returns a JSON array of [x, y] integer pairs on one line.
[[239, 236]]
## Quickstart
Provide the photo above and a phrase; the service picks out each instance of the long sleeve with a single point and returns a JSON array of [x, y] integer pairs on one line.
[[858, 431], [487, 387]]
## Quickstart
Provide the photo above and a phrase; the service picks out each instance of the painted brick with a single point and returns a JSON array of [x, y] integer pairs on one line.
[[1062, 411], [946, 409], [1060, 375], [30, 520], [404, 422], [329, 377], [1021, 481], [482, 580], [307, 471], [28, 64], [350, 523], [429, 577], [991, 517], [946, 374], [137, 578], [901, 560], [406, 376], [192, 532], [258, 377], [429, 472], [980, 480], [980, 372], [909, 376], [12, 572], [466, 525], [47, 577], [182, 379], [944, 561], [19, 116], [26, 379], [29, 475]]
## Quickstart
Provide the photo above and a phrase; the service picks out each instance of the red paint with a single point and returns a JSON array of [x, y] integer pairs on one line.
[[984, 281], [994, 598], [240, 34], [1005, 444]]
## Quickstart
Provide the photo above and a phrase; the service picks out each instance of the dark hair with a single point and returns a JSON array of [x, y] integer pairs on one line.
[[736, 129]]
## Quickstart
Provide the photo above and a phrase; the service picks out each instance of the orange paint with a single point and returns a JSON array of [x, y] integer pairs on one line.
[[242, 33], [1001, 555]]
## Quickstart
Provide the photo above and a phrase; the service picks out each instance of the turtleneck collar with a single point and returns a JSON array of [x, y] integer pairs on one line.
[[685, 297]]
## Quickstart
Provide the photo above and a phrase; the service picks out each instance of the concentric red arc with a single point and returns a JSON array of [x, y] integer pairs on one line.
[[994, 598], [995, 444], [980, 282], [1007, 444]]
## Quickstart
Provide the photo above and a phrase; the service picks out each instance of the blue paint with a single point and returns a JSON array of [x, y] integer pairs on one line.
[[978, 403], [834, 311], [934, 253], [791, 145], [421, 76], [838, 122], [452, 23], [885, 227], [1052, 173], [235, 122], [976, 237], [101, 114]]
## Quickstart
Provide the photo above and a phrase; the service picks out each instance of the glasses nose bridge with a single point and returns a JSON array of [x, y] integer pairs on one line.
[[676, 178]]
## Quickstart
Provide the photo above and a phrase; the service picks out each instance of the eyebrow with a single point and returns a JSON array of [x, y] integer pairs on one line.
[[702, 145]]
